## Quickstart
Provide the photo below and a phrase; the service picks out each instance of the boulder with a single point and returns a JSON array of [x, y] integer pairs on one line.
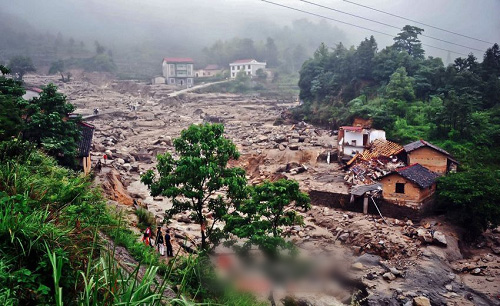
[[389, 276], [127, 167], [424, 235], [281, 147], [439, 238], [357, 266], [344, 236], [421, 301]]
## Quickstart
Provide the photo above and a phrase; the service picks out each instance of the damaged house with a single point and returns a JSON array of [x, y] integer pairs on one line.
[[410, 186], [356, 139], [430, 156]]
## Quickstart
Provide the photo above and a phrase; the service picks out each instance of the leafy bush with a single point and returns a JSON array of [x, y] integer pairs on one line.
[[471, 199], [146, 218]]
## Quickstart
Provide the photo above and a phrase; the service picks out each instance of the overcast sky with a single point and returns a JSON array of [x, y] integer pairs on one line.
[[208, 20]]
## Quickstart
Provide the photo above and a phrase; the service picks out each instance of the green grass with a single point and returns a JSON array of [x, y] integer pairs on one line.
[[51, 254]]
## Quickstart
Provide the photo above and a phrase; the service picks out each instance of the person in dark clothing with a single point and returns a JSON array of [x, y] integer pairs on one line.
[[160, 242], [98, 166], [170, 251]]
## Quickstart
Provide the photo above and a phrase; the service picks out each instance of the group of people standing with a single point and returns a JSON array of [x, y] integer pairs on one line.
[[161, 241]]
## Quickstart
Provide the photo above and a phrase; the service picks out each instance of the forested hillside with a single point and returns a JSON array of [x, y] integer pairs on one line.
[[413, 97], [408, 95]]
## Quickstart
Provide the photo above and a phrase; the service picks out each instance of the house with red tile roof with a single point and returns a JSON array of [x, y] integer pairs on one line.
[[209, 71], [249, 66], [178, 71]]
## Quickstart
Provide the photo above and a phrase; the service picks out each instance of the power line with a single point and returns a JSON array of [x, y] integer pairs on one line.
[[425, 24], [385, 24], [351, 24]]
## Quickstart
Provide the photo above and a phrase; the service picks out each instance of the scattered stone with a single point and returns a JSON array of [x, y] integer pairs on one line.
[[449, 287], [424, 235], [389, 276], [281, 147], [344, 236], [421, 301], [395, 271], [357, 266], [476, 271], [439, 237]]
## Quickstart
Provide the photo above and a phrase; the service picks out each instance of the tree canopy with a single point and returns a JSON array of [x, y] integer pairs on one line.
[[20, 65], [259, 221], [194, 181]]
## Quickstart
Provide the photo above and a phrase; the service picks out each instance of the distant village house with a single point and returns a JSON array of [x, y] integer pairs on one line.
[[178, 71], [209, 71], [158, 80], [249, 66]]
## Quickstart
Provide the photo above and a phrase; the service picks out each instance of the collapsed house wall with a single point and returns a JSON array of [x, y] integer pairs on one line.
[[387, 209]]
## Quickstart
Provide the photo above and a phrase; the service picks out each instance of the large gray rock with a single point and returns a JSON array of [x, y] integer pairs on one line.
[[439, 238]]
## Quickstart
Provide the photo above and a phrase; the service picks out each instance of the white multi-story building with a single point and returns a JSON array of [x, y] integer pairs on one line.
[[250, 66], [178, 71]]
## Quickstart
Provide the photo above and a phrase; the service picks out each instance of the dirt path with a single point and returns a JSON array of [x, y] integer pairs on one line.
[[183, 91]]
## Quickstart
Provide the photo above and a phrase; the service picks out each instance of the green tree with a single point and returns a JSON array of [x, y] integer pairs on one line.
[[21, 65], [11, 91], [195, 180], [58, 67], [363, 58], [471, 199], [47, 125], [408, 41], [261, 74], [271, 53], [260, 220], [400, 86]]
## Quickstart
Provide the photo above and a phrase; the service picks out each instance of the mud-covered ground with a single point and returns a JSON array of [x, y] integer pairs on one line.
[[391, 262]]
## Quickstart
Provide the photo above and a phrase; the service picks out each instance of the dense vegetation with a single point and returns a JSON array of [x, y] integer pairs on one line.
[[413, 97], [42, 120]]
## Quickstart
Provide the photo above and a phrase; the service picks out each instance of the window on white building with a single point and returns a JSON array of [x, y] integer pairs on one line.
[[248, 66]]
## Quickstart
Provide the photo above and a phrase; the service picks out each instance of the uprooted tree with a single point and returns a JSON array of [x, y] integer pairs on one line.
[[199, 181]]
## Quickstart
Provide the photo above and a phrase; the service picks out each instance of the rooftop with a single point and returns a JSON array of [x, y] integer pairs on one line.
[[379, 148], [418, 174], [87, 130], [212, 67], [245, 61], [178, 60]]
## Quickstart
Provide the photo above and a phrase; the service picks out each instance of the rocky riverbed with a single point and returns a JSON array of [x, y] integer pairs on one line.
[[390, 261]]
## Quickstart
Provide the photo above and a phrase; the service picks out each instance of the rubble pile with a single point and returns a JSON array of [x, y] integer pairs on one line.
[[378, 160]]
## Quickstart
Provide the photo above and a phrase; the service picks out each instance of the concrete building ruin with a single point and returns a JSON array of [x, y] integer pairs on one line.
[[356, 139]]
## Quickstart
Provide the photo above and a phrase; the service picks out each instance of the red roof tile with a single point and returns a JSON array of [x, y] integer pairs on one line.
[[212, 67]]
